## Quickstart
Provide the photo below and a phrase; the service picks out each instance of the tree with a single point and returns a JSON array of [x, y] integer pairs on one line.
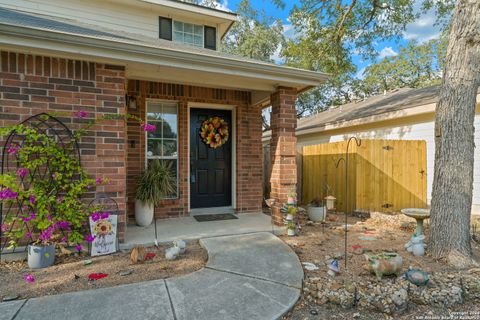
[[454, 139], [330, 32], [415, 66], [255, 35]]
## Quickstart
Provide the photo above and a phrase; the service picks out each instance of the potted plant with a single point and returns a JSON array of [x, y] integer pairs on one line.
[[155, 183], [46, 191], [290, 223], [316, 210], [292, 197]]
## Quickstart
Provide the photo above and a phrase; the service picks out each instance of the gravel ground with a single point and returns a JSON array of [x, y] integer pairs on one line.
[[71, 274]]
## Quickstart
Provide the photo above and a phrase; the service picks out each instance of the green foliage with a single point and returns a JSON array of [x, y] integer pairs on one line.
[[415, 66], [254, 35], [51, 205], [293, 210], [156, 182], [328, 33]]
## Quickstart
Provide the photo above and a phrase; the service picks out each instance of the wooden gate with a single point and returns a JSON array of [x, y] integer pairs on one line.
[[384, 175]]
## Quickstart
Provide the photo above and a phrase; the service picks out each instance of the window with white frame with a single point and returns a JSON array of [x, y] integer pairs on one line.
[[162, 143], [188, 33]]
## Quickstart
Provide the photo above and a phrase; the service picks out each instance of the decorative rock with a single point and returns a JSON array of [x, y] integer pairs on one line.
[[87, 262], [400, 298], [125, 273], [11, 297], [172, 253], [349, 287], [338, 255], [181, 245], [314, 312]]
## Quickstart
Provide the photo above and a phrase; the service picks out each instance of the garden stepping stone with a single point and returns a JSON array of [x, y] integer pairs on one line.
[[125, 273], [11, 297]]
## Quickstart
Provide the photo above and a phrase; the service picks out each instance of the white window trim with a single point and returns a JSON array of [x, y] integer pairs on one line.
[[193, 34], [147, 101]]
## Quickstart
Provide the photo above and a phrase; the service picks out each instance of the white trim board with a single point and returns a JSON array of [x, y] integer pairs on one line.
[[232, 108]]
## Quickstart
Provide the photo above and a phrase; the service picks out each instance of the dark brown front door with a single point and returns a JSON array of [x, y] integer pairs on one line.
[[210, 168]]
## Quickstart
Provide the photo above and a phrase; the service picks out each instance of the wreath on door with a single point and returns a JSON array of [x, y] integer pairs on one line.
[[214, 132]]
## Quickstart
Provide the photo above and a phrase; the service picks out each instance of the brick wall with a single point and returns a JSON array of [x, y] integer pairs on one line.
[[248, 143], [283, 122], [31, 84]]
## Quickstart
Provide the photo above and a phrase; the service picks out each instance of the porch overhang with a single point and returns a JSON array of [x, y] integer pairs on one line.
[[152, 62]]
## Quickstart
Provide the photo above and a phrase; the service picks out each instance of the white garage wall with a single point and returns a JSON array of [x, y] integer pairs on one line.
[[415, 130]]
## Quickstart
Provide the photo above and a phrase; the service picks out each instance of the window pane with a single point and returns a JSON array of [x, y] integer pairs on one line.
[[157, 133], [163, 141], [154, 111], [198, 41], [198, 30], [178, 26], [170, 121], [188, 27], [188, 38], [178, 36], [169, 148], [154, 147]]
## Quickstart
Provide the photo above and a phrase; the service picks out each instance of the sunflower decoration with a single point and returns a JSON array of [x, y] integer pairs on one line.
[[214, 132], [102, 228]]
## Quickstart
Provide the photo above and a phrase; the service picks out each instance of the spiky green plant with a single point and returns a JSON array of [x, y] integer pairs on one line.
[[156, 183]]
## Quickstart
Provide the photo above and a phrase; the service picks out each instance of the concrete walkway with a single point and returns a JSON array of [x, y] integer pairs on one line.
[[253, 276], [187, 228]]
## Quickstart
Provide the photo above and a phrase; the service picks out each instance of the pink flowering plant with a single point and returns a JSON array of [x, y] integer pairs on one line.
[[48, 187]]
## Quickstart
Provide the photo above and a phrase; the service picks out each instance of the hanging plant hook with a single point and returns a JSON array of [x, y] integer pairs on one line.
[[358, 142]]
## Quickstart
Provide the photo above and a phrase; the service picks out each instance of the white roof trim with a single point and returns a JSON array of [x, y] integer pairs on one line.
[[191, 7], [409, 112], [125, 51]]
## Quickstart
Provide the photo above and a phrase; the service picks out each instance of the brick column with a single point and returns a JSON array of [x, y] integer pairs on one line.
[[283, 145]]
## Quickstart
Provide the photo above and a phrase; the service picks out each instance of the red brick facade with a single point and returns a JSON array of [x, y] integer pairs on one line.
[[31, 84], [247, 134], [283, 147]]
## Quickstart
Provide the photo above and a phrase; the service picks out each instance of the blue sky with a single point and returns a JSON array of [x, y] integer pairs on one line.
[[421, 30]]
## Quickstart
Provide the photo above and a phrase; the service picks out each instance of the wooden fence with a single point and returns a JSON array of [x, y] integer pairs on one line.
[[384, 175]]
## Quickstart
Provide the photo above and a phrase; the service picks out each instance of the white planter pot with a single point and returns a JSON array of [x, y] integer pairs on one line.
[[40, 256], [143, 213], [291, 232], [316, 213], [289, 217]]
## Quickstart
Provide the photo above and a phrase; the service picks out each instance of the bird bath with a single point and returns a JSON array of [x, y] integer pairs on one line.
[[419, 215]]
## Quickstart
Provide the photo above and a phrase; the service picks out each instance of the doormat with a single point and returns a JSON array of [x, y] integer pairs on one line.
[[214, 217]]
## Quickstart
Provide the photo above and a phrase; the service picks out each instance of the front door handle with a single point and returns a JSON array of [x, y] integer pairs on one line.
[[193, 178]]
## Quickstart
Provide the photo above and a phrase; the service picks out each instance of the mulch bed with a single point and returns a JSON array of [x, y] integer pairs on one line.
[[71, 274]]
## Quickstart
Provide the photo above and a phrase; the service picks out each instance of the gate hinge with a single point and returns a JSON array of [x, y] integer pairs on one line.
[[388, 148], [387, 205]]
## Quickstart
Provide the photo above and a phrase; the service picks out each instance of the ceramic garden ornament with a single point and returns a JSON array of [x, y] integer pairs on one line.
[[387, 263]]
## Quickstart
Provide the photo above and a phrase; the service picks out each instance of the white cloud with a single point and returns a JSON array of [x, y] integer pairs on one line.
[[360, 73], [423, 29], [223, 5], [288, 33], [387, 52]]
